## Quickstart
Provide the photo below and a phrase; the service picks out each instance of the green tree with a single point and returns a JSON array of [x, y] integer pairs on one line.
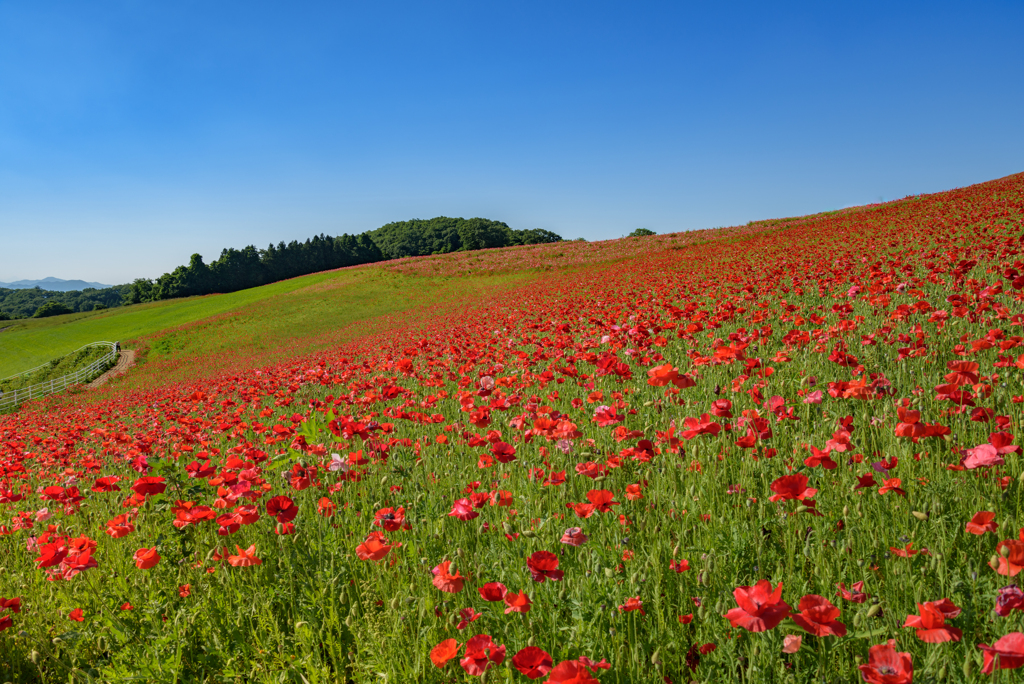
[[641, 232], [52, 308]]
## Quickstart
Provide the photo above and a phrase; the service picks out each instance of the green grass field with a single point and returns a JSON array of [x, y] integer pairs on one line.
[[307, 311]]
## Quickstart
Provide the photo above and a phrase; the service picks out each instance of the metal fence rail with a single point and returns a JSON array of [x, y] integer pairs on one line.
[[54, 385]]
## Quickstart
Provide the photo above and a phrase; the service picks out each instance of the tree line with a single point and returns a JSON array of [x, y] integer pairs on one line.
[[239, 269]]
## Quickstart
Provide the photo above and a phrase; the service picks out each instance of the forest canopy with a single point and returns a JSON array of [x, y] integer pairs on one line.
[[239, 269]]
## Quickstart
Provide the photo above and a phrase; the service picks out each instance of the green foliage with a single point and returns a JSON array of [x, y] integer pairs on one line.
[[24, 303], [59, 367], [52, 308], [641, 232], [250, 267]]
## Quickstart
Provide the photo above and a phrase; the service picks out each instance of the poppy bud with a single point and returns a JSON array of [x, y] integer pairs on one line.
[[675, 551], [801, 509], [968, 666], [1004, 551], [348, 621], [700, 613], [941, 676], [919, 515], [302, 463], [656, 658], [482, 528], [34, 657], [460, 553], [648, 404], [57, 641], [874, 610], [529, 534], [343, 599], [395, 604], [860, 562], [1021, 478], [531, 641], [609, 572], [846, 511], [561, 595], [384, 479], [508, 528]]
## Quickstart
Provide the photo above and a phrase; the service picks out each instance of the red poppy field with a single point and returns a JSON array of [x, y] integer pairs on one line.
[[786, 452]]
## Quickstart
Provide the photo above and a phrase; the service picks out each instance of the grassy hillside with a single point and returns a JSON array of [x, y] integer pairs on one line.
[[750, 455], [262, 318]]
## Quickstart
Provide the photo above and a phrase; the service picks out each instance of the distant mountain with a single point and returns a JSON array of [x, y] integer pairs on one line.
[[53, 284]]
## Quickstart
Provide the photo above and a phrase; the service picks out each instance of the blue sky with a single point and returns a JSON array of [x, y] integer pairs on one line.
[[133, 134]]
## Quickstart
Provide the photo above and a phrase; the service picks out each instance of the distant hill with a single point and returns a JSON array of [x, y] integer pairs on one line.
[[53, 285]]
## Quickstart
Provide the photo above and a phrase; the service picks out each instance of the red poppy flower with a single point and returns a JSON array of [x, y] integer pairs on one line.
[[106, 484], [818, 616], [891, 485], [127, 606], [574, 536], [50, 555], [516, 603], [466, 616], [760, 607], [120, 526], [791, 487], [492, 591], [820, 458], [326, 507], [543, 565], [443, 652], [633, 604], [375, 548], [1010, 598], [679, 566], [855, 594], [146, 558], [185, 590], [1005, 654], [602, 500], [886, 666], [147, 486], [570, 672], [391, 519], [532, 662], [931, 623], [463, 510], [864, 481], [481, 654], [245, 557], [983, 456], [1013, 562], [445, 581], [282, 508], [907, 552], [700, 426], [505, 453], [76, 615], [982, 522], [686, 619]]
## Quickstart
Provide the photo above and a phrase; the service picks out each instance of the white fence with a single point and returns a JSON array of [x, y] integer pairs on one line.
[[18, 396]]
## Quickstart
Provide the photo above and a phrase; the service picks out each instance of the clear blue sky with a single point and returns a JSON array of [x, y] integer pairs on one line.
[[133, 133]]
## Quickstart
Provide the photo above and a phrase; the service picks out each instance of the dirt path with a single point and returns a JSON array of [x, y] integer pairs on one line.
[[124, 361]]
